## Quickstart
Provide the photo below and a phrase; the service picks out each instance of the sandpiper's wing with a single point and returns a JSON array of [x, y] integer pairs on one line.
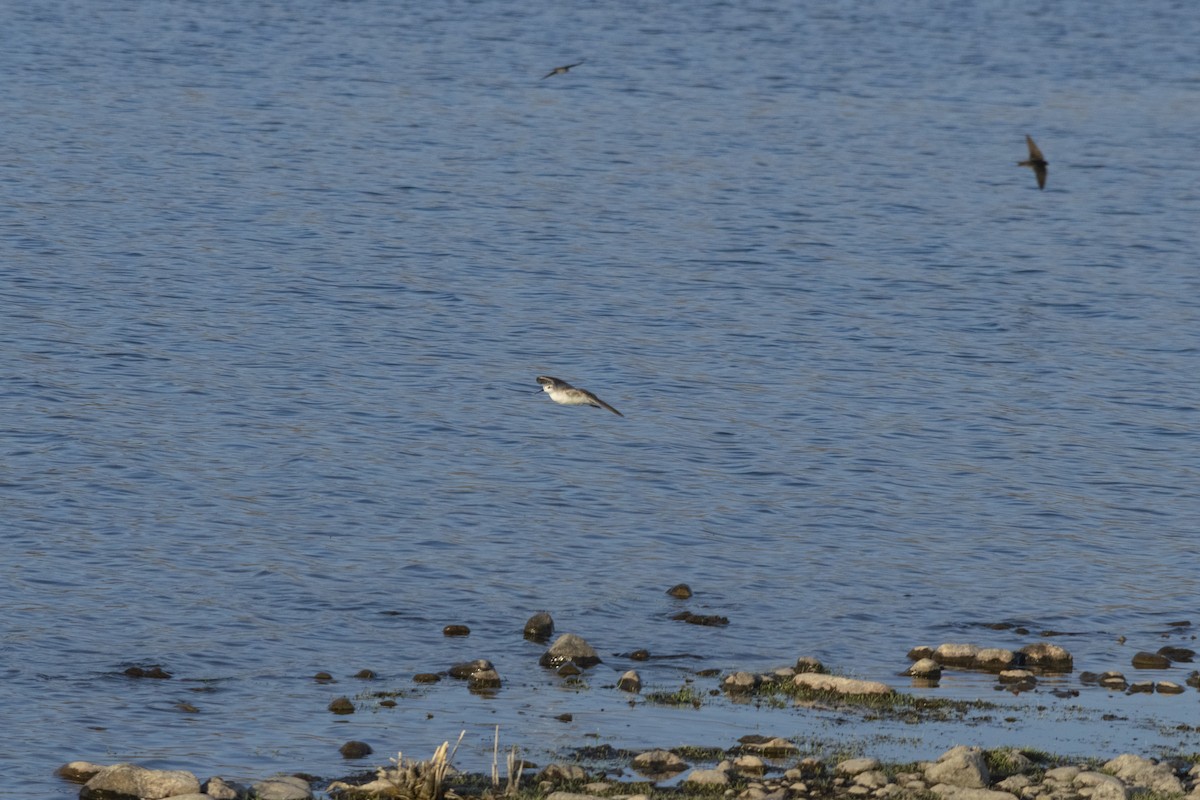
[[1039, 169], [1034, 153], [561, 70], [600, 403]]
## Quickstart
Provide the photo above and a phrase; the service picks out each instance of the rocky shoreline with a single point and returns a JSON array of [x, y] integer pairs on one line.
[[759, 768]]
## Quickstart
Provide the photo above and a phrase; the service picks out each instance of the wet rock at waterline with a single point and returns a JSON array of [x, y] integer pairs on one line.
[[955, 654], [466, 669], [426, 677], [630, 682], [540, 627], [769, 746], [569, 647], [993, 659], [456, 630], [1020, 679], [925, 668], [1048, 657], [568, 669], [78, 771], [562, 773], [133, 781], [658, 763], [680, 591], [741, 682], [839, 685], [809, 664], [341, 705], [1178, 654], [483, 680], [282, 787], [355, 749], [221, 789], [1151, 661], [153, 671]]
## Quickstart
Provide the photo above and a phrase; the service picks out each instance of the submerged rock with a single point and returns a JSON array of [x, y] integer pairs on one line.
[[681, 591], [341, 705], [456, 630], [569, 647]]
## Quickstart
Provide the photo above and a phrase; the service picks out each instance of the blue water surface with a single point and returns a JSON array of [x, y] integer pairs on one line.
[[277, 278]]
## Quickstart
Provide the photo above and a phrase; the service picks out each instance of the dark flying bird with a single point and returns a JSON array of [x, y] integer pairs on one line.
[[561, 70], [1036, 162], [562, 392]]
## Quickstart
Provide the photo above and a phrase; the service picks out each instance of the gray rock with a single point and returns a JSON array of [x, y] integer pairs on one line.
[[993, 658], [483, 680], [148, 784], [919, 652], [569, 647], [221, 789], [1151, 661], [967, 793], [1101, 786], [78, 771], [283, 787], [1168, 687], [872, 779], [809, 664], [657, 762], [749, 765], [467, 668], [1016, 676], [955, 654], [539, 627], [853, 766], [959, 766], [563, 773], [839, 685], [925, 668], [1013, 760], [1062, 774], [708, 777], [630, 682], [1144, 773], [1113, 680], [1047, 656], [741, 682], [1014, 784]]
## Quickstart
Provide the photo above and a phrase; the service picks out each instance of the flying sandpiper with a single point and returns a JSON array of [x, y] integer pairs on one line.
[[561, 70], [564, 393], [1036, 162]]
